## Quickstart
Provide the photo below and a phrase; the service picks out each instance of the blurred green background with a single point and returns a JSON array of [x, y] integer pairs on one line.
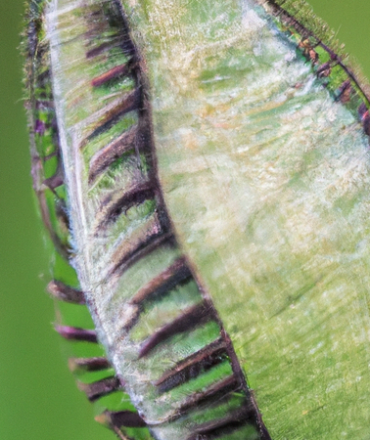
[[38, 397]]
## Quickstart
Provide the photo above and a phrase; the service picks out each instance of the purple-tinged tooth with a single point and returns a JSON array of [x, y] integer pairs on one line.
[[66, 293], [76, 333], [113, 73], [126, 104], [99, 50], [101, 388], [128, 419], [88, 364]]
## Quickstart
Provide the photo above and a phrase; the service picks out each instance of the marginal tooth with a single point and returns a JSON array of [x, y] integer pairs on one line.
[[125, 257], [213, 394], [88, 364], [107, 155], [175, 275], [104, 47], [76, 334], [66, 293], [228, 424], [105, 118], [203, 360], [101, 388], [128, 419], [54, 181], [120, 202], [187, 321], [113, 73]]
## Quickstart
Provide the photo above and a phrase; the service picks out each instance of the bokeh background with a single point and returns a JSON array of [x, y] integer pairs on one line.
[[38, 396]]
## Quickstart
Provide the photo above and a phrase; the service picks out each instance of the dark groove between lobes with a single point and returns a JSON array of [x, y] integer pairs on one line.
[[111, 208], [114, 73], [211, 396], [128, 103], [192, 366], [227, 425], [104, 47], [186, 321], [171, 277], [174, 276], [107, 155], [100, 388], [123, 260]]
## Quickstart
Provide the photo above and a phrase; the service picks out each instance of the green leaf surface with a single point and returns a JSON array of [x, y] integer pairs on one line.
[[266, 177], [37, 397]]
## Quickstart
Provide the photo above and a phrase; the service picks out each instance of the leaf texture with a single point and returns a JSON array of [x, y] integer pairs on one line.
[[264, 162], [208, 183], [157, 324]]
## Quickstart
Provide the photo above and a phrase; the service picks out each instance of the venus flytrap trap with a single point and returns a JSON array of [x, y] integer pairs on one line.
[[203, 171]]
